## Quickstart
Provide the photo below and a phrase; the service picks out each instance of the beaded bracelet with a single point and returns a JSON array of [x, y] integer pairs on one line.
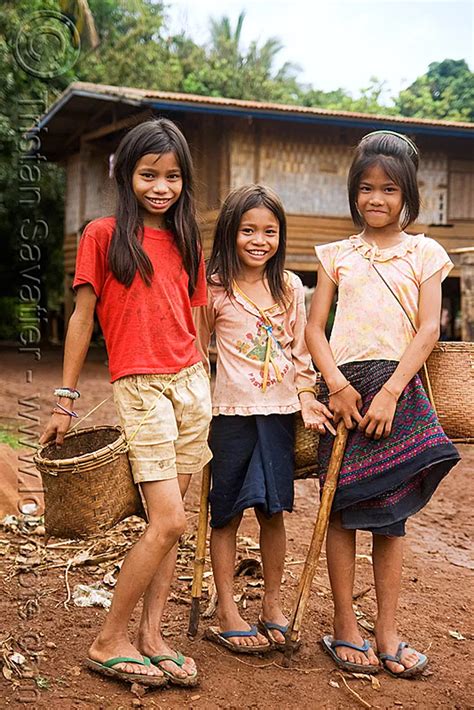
[[331, 394], [67, 392], [63, 410]]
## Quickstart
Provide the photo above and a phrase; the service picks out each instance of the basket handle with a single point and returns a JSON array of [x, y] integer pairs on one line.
[[91, 412]]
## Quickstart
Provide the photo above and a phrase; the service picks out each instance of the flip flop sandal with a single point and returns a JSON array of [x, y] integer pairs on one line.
[[222, 638], [107, 669], [266, 628], [408, 672], [179, 660], [330, 644]]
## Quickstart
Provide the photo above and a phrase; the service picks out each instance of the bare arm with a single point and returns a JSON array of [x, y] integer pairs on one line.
[[315, 414], [345, 405], [378, 420], [78, 338], [204, 321]]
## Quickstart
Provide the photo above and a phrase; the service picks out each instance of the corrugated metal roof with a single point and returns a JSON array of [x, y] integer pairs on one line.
[[144, 96]]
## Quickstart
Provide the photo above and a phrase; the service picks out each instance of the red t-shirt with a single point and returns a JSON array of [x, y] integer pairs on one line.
[[147, 329]]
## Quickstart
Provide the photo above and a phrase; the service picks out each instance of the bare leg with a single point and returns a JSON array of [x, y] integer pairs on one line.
[[340, 548], [273, 548], [149, 638], [223, 548], [167, 523], [387, 554]]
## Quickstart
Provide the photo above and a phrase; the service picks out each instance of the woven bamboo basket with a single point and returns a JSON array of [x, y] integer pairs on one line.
[[306, 450], [88, 483], [451, 372]]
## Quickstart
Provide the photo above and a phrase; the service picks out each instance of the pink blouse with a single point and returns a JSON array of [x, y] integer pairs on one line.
[[262, 359], [369, 323]]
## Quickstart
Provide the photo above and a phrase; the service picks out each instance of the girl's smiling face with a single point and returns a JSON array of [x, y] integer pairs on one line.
[[258, 238], [379, 199], [157, 184]]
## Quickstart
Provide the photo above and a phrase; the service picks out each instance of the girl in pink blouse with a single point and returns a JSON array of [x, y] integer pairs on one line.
[[264, 375], [387, 322]]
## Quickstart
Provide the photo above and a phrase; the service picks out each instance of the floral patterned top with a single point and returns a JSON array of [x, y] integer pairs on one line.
[[369, 323], [262, 359]]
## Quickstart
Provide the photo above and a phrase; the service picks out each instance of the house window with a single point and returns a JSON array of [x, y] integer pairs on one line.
[[461, 189]]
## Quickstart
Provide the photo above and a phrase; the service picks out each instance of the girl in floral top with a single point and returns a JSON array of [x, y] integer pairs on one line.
[[264, 375], [386, 324]]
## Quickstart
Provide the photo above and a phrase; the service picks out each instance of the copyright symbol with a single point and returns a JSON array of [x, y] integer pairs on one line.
[[47, 44]]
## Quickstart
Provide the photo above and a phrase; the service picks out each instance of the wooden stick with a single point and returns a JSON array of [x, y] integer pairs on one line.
[[200, 557], [312, 558]]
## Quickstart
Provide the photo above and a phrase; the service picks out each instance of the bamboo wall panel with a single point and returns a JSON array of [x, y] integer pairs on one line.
[[242, 158], [98, 200], [309, 171], [99, 188]]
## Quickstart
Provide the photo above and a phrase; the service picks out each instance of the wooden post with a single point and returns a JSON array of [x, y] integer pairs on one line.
[[200, 556], [319, 532]]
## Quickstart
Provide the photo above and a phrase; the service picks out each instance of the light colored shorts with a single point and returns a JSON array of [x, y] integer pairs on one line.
[[173, 437]]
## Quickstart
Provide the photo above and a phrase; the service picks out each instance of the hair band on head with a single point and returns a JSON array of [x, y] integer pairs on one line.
[[407, 140]]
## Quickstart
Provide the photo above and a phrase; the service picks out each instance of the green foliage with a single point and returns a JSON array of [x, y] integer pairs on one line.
[[226, 70], [8, 318], [23, 98], [7, 437], [368, 101], [446, 91], [136, 50]]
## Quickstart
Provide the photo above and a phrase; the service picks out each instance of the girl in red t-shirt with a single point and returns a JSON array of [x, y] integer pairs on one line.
[[142, 271]]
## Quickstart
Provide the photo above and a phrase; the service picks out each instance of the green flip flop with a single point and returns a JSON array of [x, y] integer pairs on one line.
[[179, 660], [107, 668]]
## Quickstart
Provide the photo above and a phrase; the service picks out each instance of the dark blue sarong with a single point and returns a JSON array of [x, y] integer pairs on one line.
[[252, 465], [383, 482]]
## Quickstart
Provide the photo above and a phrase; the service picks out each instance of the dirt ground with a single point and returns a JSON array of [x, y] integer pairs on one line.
[[435, 608]]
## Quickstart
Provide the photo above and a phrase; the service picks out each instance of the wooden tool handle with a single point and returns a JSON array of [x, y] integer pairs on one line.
[[200, 556], [319, 532]]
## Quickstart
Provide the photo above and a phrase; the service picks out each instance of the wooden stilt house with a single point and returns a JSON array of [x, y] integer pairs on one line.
[[303, 153]]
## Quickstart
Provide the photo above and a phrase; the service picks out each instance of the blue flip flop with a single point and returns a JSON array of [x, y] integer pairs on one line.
[[408, 672], [330, 644], [222, 638], [266, 628]]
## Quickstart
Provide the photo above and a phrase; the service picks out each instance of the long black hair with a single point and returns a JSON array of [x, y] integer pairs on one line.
[[224, 261], [398, 156], [126, 253]]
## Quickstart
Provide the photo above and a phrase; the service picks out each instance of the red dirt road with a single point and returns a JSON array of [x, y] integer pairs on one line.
[[436, 604]]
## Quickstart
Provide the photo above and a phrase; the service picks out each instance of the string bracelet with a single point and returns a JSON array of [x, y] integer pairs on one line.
[[384, 387], [306, 389], [59, 409], [67, 392], [331, 394], [56, 410]]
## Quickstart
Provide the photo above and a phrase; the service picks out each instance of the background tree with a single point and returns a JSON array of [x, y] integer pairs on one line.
[[368, 101], [17, 87], [446, 91]]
